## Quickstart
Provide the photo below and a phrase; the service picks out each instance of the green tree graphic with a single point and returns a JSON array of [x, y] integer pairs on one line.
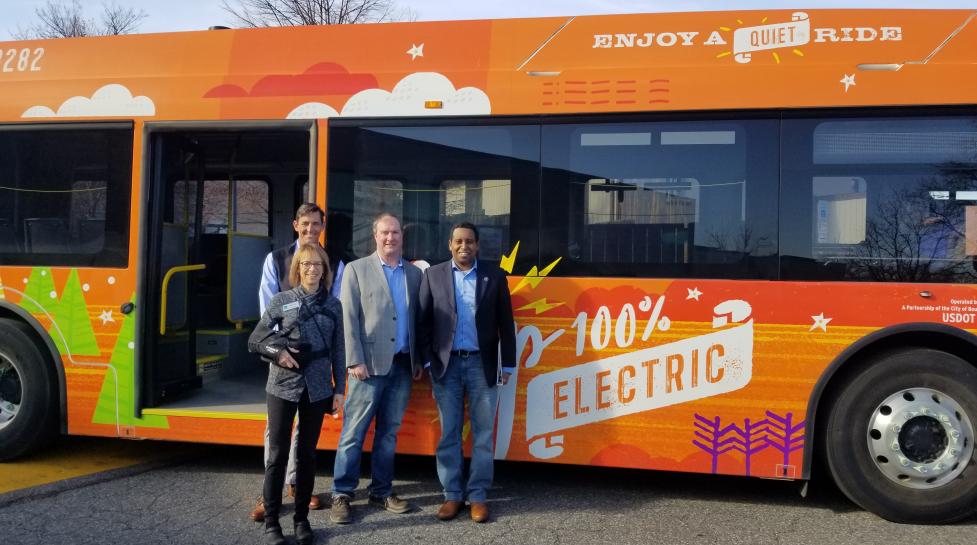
[[39, 288], [74, 321], [123, 359]]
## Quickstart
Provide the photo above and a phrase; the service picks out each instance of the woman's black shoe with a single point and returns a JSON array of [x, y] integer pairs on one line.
[[273, 535], [303, 532]]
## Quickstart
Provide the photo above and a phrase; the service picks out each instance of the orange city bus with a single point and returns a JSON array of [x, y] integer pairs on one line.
[[739, 242]]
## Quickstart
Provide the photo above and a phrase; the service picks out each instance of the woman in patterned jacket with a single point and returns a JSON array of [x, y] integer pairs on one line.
[[301, 332]]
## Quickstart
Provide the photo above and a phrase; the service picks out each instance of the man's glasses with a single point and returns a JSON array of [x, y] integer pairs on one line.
[[311, 264]]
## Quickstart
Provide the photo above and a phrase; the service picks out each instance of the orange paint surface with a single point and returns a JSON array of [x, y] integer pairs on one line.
[[601, 64]]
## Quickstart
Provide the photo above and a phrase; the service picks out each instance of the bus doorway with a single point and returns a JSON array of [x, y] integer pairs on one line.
[[219, 202]]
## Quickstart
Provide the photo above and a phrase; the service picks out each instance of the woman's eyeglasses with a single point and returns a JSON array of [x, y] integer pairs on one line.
[[311, 264]]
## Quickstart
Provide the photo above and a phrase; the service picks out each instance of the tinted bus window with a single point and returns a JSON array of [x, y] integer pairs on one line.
[[64, 196], [661, 199], [888, 199], [434, 177]]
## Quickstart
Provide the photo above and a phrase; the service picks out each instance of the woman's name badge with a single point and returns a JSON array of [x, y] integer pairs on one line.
[[290, 306]]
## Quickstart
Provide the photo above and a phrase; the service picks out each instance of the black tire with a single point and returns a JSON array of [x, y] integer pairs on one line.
[[36, 420], [846, 438]]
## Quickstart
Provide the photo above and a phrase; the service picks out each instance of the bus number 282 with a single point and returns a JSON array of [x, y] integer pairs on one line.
[[21, 60]]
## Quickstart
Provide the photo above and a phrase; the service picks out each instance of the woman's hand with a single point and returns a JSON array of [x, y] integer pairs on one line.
[[337, 404], [286, 360]]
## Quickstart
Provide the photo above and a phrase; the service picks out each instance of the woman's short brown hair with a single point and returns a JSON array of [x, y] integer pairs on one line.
[[304, 252]]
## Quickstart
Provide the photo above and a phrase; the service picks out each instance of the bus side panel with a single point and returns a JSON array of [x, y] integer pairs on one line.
[[93, 339]]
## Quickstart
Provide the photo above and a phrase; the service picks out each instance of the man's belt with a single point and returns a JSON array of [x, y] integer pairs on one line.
[[464, 353]]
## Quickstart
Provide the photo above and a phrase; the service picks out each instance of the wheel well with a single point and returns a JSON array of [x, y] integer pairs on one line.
[[862, 353], [48, 351]]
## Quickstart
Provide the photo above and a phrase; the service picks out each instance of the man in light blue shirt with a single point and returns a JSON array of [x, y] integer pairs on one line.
[[466, 332], [379, 294], [308, 224]]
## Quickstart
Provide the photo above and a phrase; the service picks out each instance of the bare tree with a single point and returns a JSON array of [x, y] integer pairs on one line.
[[912, 237], [118, 20], [67, 20], [267, 13]]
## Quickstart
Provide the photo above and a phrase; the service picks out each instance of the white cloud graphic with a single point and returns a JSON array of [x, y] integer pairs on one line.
[[312, 110], [112, 100], [409, 95]]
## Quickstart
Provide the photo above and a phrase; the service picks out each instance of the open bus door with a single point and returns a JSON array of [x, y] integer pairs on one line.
[[175, 260], [211, 224]]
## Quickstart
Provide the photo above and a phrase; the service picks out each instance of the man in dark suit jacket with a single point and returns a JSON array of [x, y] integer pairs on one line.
[[466, 332]]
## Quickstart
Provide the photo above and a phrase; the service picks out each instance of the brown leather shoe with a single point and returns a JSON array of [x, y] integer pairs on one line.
[[479, 511], [314, 503], [258, 514], [449, 510]]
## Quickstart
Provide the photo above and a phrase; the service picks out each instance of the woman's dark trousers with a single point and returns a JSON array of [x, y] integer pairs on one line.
[[281, 414]]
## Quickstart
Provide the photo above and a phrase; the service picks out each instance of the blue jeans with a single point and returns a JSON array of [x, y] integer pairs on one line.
[[465, 377], [384, 397]]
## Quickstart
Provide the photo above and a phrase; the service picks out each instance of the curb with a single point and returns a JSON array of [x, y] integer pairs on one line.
[[66, 485]]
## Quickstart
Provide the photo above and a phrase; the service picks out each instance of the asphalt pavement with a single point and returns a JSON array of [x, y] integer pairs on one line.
[[203, 497]]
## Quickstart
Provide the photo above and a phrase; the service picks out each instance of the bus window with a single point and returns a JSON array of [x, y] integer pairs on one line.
[[251, 206], [890, 199], [484, 203], [64, 196], [661, 199], [371, 197], [434, 177]]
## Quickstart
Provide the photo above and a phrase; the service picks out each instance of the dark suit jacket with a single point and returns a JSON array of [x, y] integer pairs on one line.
[[437, 318]]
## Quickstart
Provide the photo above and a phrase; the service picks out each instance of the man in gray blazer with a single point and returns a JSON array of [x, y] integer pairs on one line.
[[379, 296]]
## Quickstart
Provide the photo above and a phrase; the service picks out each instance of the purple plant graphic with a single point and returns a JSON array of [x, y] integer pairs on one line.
[[779, 432], [784, 435], [712, 437]]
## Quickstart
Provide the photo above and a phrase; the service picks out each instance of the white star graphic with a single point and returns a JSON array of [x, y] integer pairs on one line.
[[415, 51], [848, 81], [820, 322], [106, 317], [694, 293]]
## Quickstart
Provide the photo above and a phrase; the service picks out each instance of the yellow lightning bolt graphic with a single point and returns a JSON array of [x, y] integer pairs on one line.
[[540, 306], [534, 276], [508, 261]]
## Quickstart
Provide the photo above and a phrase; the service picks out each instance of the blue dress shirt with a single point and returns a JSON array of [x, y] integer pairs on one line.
[[398, 292], [466, 336]]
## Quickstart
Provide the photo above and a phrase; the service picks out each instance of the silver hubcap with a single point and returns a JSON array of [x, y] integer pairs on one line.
[[920, 438], [11, 391]]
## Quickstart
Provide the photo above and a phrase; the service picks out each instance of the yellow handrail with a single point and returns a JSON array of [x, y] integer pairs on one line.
[[166, 283]]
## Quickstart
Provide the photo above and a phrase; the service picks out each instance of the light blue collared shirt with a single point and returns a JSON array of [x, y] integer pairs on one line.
[[269, 285], [398, 292], [466, 335]]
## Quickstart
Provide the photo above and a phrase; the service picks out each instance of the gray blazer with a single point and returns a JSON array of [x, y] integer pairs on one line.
[[315, 319], [369, 316]]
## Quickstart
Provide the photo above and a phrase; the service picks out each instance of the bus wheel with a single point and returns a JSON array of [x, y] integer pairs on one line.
[[899, 438], [28, 399]]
